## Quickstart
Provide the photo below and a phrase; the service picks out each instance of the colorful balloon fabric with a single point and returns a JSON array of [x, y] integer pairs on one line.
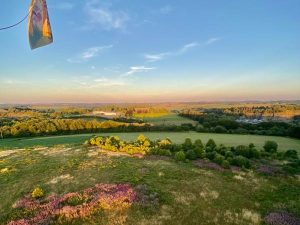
[[39, 28]]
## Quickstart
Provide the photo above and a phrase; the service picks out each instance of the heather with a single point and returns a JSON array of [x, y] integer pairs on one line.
[[85, 184]]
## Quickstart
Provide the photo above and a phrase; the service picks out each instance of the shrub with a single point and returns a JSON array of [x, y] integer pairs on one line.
[[220, 129], [176, 148], [180, 156], [293, 154], [251, 145], [228, 154], [191, 154], [187, 144], [165, 152], [200, 128], [200, 152], [211, 155], [225, 164], [75, 200], [37, 193], [211, 143], [241, 161], [218, 159], [270, 146], [198, 144]]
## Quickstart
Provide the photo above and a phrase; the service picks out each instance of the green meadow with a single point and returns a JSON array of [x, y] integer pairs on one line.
[[177, 137], [183, 193]]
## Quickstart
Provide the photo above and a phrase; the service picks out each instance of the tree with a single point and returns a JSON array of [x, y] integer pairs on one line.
[[187, 144], [211, 143], [270, 146]]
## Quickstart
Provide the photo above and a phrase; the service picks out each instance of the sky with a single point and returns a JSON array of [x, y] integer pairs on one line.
[[108, 51]]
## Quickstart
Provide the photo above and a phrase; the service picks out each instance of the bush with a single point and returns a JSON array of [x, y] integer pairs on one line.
[[198, 144], [211, 143], [241, 161], [228, 154], [179, 156], [225, 164], [293, 154], [191, 154], [176, 148], [37, 193], [164, 152], [242, 150], [270, 146], [200, 152], [218, 159], [220, 129], [187, 144], [211, 155]]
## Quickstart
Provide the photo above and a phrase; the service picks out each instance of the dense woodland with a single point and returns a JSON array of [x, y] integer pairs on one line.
[[219, 122]]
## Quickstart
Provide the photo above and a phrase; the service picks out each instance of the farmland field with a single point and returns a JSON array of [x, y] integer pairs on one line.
[[170, 119]]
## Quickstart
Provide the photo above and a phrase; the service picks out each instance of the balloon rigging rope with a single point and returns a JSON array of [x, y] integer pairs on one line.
[[16, 24]]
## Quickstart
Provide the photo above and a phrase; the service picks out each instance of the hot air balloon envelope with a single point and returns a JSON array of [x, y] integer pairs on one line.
[[39, 29]]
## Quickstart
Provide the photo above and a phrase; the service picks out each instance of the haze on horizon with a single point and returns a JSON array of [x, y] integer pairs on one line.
[[154, 51]]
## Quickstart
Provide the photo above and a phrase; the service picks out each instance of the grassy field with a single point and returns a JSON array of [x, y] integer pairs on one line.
[[176, 137], [170, 119], [186, 194]]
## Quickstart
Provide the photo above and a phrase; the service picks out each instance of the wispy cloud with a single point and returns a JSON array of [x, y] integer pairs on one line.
[[100, 16], [137, 69], [99, 82], [161, 56], [64, 5], [212, 40], [89, 53], [182, 50], [166, 9]]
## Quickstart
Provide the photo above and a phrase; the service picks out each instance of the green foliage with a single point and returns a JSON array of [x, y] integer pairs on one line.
[[293, 154], [75, 200], [187, 145], [225, 164], [220, 129], [218, 159], [37, 193], [241, 161], [270, 146], [191, 154], [211, 143], [179, 156], [200, 152], [292, 167], [113, 143], [211, 155], [164, 152], [198, 144]]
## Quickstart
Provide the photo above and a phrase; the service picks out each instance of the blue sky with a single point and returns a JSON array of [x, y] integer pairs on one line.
[[146, 51]]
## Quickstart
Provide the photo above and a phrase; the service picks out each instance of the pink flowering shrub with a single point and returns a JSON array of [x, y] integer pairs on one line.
[[116, 197]]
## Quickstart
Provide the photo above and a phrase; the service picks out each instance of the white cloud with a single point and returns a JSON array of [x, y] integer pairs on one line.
[[137, 69], [182, 50], [89, 53], [212, 40], [86, 82], [104, 17], [161, 56]]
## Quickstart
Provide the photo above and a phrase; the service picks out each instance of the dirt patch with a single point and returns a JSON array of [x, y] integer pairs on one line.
[[9, 152], [60, 178]]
